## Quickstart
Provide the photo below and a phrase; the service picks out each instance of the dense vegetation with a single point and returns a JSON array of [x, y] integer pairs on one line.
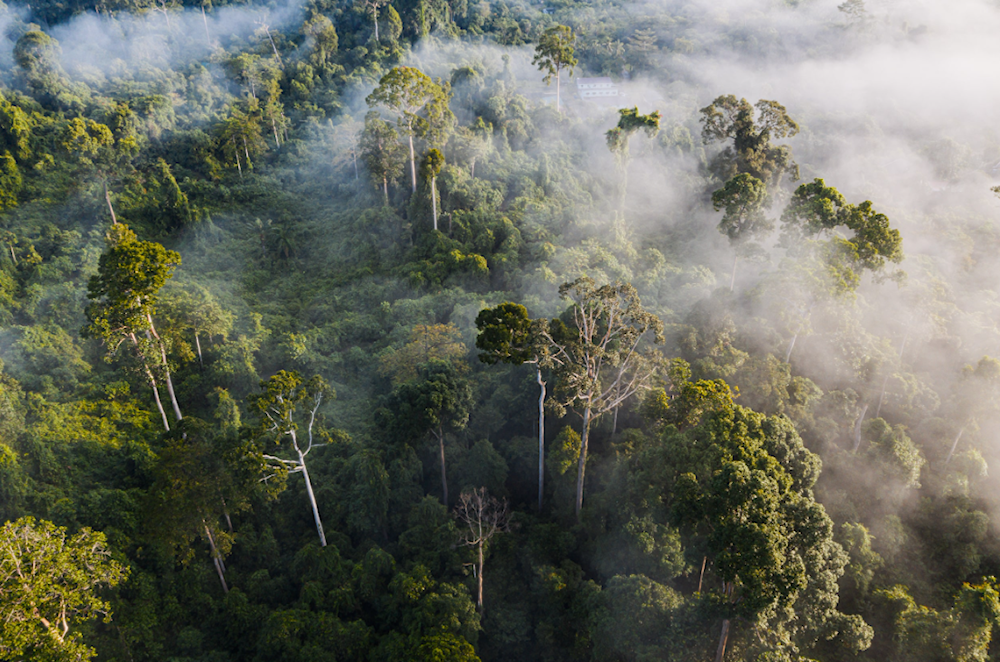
[[329, 332]]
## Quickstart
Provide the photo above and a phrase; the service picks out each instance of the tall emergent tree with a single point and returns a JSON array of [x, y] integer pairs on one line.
[[743, 198], [433, 162], [381, 151], [49, 582], [599, 364], [125, 292], [420, 105], [278, 407], [629, 122], [484, 516], [751, 152], [508, 335], [554, 53]]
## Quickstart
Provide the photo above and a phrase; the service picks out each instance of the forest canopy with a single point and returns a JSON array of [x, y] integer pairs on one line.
[[559, 332]]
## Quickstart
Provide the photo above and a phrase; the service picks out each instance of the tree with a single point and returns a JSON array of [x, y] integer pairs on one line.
[[751, 151], [441, 398], [125, 292], [508, 335], [629, 122], [48, 583], [421, 106], [431, 166], [816, 208], [743, 198], [484, 517], [278, 407], [381, 151], [554, 53], [372, 7], [599, 363]]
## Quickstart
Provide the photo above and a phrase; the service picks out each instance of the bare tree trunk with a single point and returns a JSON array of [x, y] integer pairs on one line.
[[857, 428], [558, 77], [220, 566], [723, 638], [583, 461], [156, 396], [614, 421], [954, 445], [791, 346], [541, 437], [375, 20], [385, 190], [413, 165], [732, 280], [472, 169], [479, 579], [701, 577], [354, 154], [240, 167], [166, 367], [197, 344], [204, 19], [312, 498], [246, 150], [274, 127], [444, 475], [225, 512], [107, 198], [434, 204]]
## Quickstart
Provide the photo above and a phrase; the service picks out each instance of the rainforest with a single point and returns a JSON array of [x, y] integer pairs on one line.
[[488, 330]]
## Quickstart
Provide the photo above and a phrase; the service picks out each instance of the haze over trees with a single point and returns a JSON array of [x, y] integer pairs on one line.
[[323, 336]]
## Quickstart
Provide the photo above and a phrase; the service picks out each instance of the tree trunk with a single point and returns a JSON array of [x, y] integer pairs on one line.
[[444, 476], [581, 465], [954, 445], [204, 19], [732, 280], [479, 579], [220, 567], [434, 204], [791, 346], [558, 76], [246, 151], [240, 167], [312, 498], [107, 198], [701, 577], [472, 169], [354, 154], [375, 16], [166, 367], [541, 437], [413, 165], [197, 344], [723, 638], [385, 190], [274, 127], [857, 428], [614, 421], [156, 396]]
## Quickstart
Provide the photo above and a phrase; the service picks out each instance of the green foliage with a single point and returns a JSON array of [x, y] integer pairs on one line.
[[50, 582]]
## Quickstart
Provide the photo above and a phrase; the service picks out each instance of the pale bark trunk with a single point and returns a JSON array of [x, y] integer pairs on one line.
[[375, 15], [444, 475], [701, 577], [197, 344], [220, 566], [954, 445], [107, 198], [434, 204], [791, 346], [723, 638], [479, 580], [732, 280], [558, 76], [204, 19], [385, 190], [156, 397], [166, 368], [354, 154], [541, 438], [238, 166], [274, 127], [581, 466], [246, 150], [857, 428], [413, 165], [312, 498]]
